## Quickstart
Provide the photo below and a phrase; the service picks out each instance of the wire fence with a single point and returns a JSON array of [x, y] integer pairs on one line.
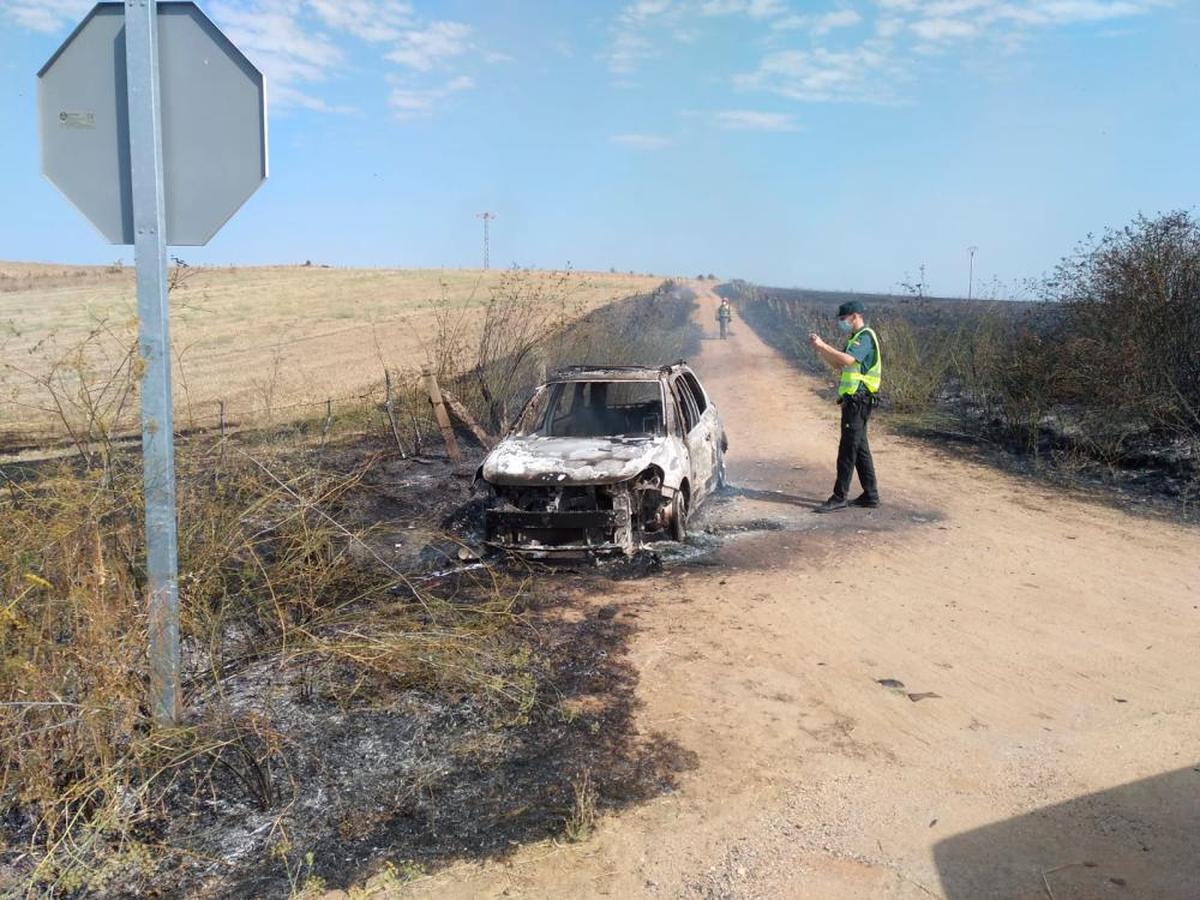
[[398, 409]]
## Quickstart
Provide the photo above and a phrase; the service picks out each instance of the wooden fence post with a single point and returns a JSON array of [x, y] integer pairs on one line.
[[328, 423], [440, 414], [464, 415], [221, 417]]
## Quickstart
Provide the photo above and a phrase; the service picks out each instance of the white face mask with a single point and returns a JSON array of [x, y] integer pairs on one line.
[[845, 326]]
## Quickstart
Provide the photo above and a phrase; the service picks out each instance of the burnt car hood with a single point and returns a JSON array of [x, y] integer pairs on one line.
[[570, 460]]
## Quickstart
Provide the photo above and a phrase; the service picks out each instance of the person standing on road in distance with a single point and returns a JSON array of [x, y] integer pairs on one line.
[[724, 314], [858, 392]]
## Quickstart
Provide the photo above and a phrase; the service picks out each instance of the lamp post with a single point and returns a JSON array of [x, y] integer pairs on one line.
[[971, 272]]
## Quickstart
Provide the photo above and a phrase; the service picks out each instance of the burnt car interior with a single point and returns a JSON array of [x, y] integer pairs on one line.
[[596, 409]]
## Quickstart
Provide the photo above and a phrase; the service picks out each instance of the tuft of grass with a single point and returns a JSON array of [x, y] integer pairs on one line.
[[581, 821]]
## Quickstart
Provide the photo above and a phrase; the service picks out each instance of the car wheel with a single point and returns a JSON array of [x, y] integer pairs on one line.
[[679, 516], [722, 478]]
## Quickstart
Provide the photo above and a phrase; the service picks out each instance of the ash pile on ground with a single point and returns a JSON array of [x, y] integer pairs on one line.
[[424, 777], [417, 777]]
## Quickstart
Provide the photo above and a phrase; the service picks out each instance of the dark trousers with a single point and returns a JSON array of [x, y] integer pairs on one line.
[[724, 326], [854, 453]]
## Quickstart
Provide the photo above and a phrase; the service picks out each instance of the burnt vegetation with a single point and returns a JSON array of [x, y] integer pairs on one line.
[[358, 702], [1096, 384]]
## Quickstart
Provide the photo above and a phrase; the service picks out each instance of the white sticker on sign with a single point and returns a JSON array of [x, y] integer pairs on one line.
[[77, 119]]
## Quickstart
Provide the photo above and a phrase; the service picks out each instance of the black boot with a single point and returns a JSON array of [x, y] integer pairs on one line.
[[865, 501], [831, 504]]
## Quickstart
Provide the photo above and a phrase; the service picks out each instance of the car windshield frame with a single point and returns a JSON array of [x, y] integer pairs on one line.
[[543, 416]]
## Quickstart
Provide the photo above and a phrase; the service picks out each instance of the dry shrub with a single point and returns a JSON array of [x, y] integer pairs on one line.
[[268, 577], [534, 324], [1133, 298], [522, 315], [88, 390], [916, 364], [1019, 380]]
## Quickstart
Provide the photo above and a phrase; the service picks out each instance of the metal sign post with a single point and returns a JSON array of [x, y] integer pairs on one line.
[[154, 345], [154, 125]]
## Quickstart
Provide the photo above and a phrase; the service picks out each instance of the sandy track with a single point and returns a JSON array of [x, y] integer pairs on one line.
[[1060, 758]]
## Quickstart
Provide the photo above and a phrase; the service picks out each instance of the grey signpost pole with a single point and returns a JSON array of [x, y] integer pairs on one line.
[[154, 343], [154, 149]]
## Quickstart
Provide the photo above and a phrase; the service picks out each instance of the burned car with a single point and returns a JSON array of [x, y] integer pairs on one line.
[[602, 459]]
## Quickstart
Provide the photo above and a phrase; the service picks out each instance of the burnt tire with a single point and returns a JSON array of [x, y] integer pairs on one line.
[[679, 516]]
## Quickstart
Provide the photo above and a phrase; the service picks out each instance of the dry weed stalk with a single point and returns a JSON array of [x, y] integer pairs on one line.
[[268, 576]]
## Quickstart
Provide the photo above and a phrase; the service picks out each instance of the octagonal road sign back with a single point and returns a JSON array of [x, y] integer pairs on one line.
[[214, 124]]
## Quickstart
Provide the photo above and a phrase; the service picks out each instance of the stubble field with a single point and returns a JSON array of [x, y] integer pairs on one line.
[[266, 341]]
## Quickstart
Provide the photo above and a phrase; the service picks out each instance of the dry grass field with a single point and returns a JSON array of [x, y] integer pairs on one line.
[[263, 340]]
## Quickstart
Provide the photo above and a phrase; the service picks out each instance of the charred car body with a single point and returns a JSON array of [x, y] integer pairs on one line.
[[602, 459]]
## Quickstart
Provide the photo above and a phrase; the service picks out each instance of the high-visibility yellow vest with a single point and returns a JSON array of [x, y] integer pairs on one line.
[[853, 376]]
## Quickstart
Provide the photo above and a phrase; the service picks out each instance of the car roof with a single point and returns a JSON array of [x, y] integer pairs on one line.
[[615, 373]]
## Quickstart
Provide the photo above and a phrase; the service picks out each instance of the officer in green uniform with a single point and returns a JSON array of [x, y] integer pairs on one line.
[[724, 314], [858, 389]]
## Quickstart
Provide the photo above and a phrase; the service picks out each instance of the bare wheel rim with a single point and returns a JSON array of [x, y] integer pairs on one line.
[[679, 516]]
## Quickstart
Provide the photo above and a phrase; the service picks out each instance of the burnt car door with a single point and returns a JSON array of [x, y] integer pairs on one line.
[[698, 439], [710, 421]]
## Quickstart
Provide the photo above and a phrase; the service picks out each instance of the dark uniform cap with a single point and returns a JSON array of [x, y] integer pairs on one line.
[[850, 307]]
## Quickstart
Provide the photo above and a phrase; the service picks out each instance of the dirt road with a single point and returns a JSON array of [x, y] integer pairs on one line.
[[1045, 742]]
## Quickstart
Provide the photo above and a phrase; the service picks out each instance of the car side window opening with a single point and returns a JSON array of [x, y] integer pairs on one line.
[[697, 392], [678, 423], [691, 416]]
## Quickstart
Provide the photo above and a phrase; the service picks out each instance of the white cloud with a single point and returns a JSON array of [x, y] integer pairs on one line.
[[631, 43], [47, 16], [944, 21], [375, 21], [941, 29], [820, 25], [426, 48], [1066, 12], [642, 141], [842, 18], [269, 32], [409, 103], [942, 8], [628, 49], [754, 120], [645, 9], [821, 75], [755, 9], [824, 70], [301, 45], [640, 29]]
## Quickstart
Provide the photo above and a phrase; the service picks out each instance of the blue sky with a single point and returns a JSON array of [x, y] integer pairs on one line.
[[834, 144]]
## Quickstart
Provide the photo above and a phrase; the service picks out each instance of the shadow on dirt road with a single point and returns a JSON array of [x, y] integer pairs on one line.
[[1135, 840]]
